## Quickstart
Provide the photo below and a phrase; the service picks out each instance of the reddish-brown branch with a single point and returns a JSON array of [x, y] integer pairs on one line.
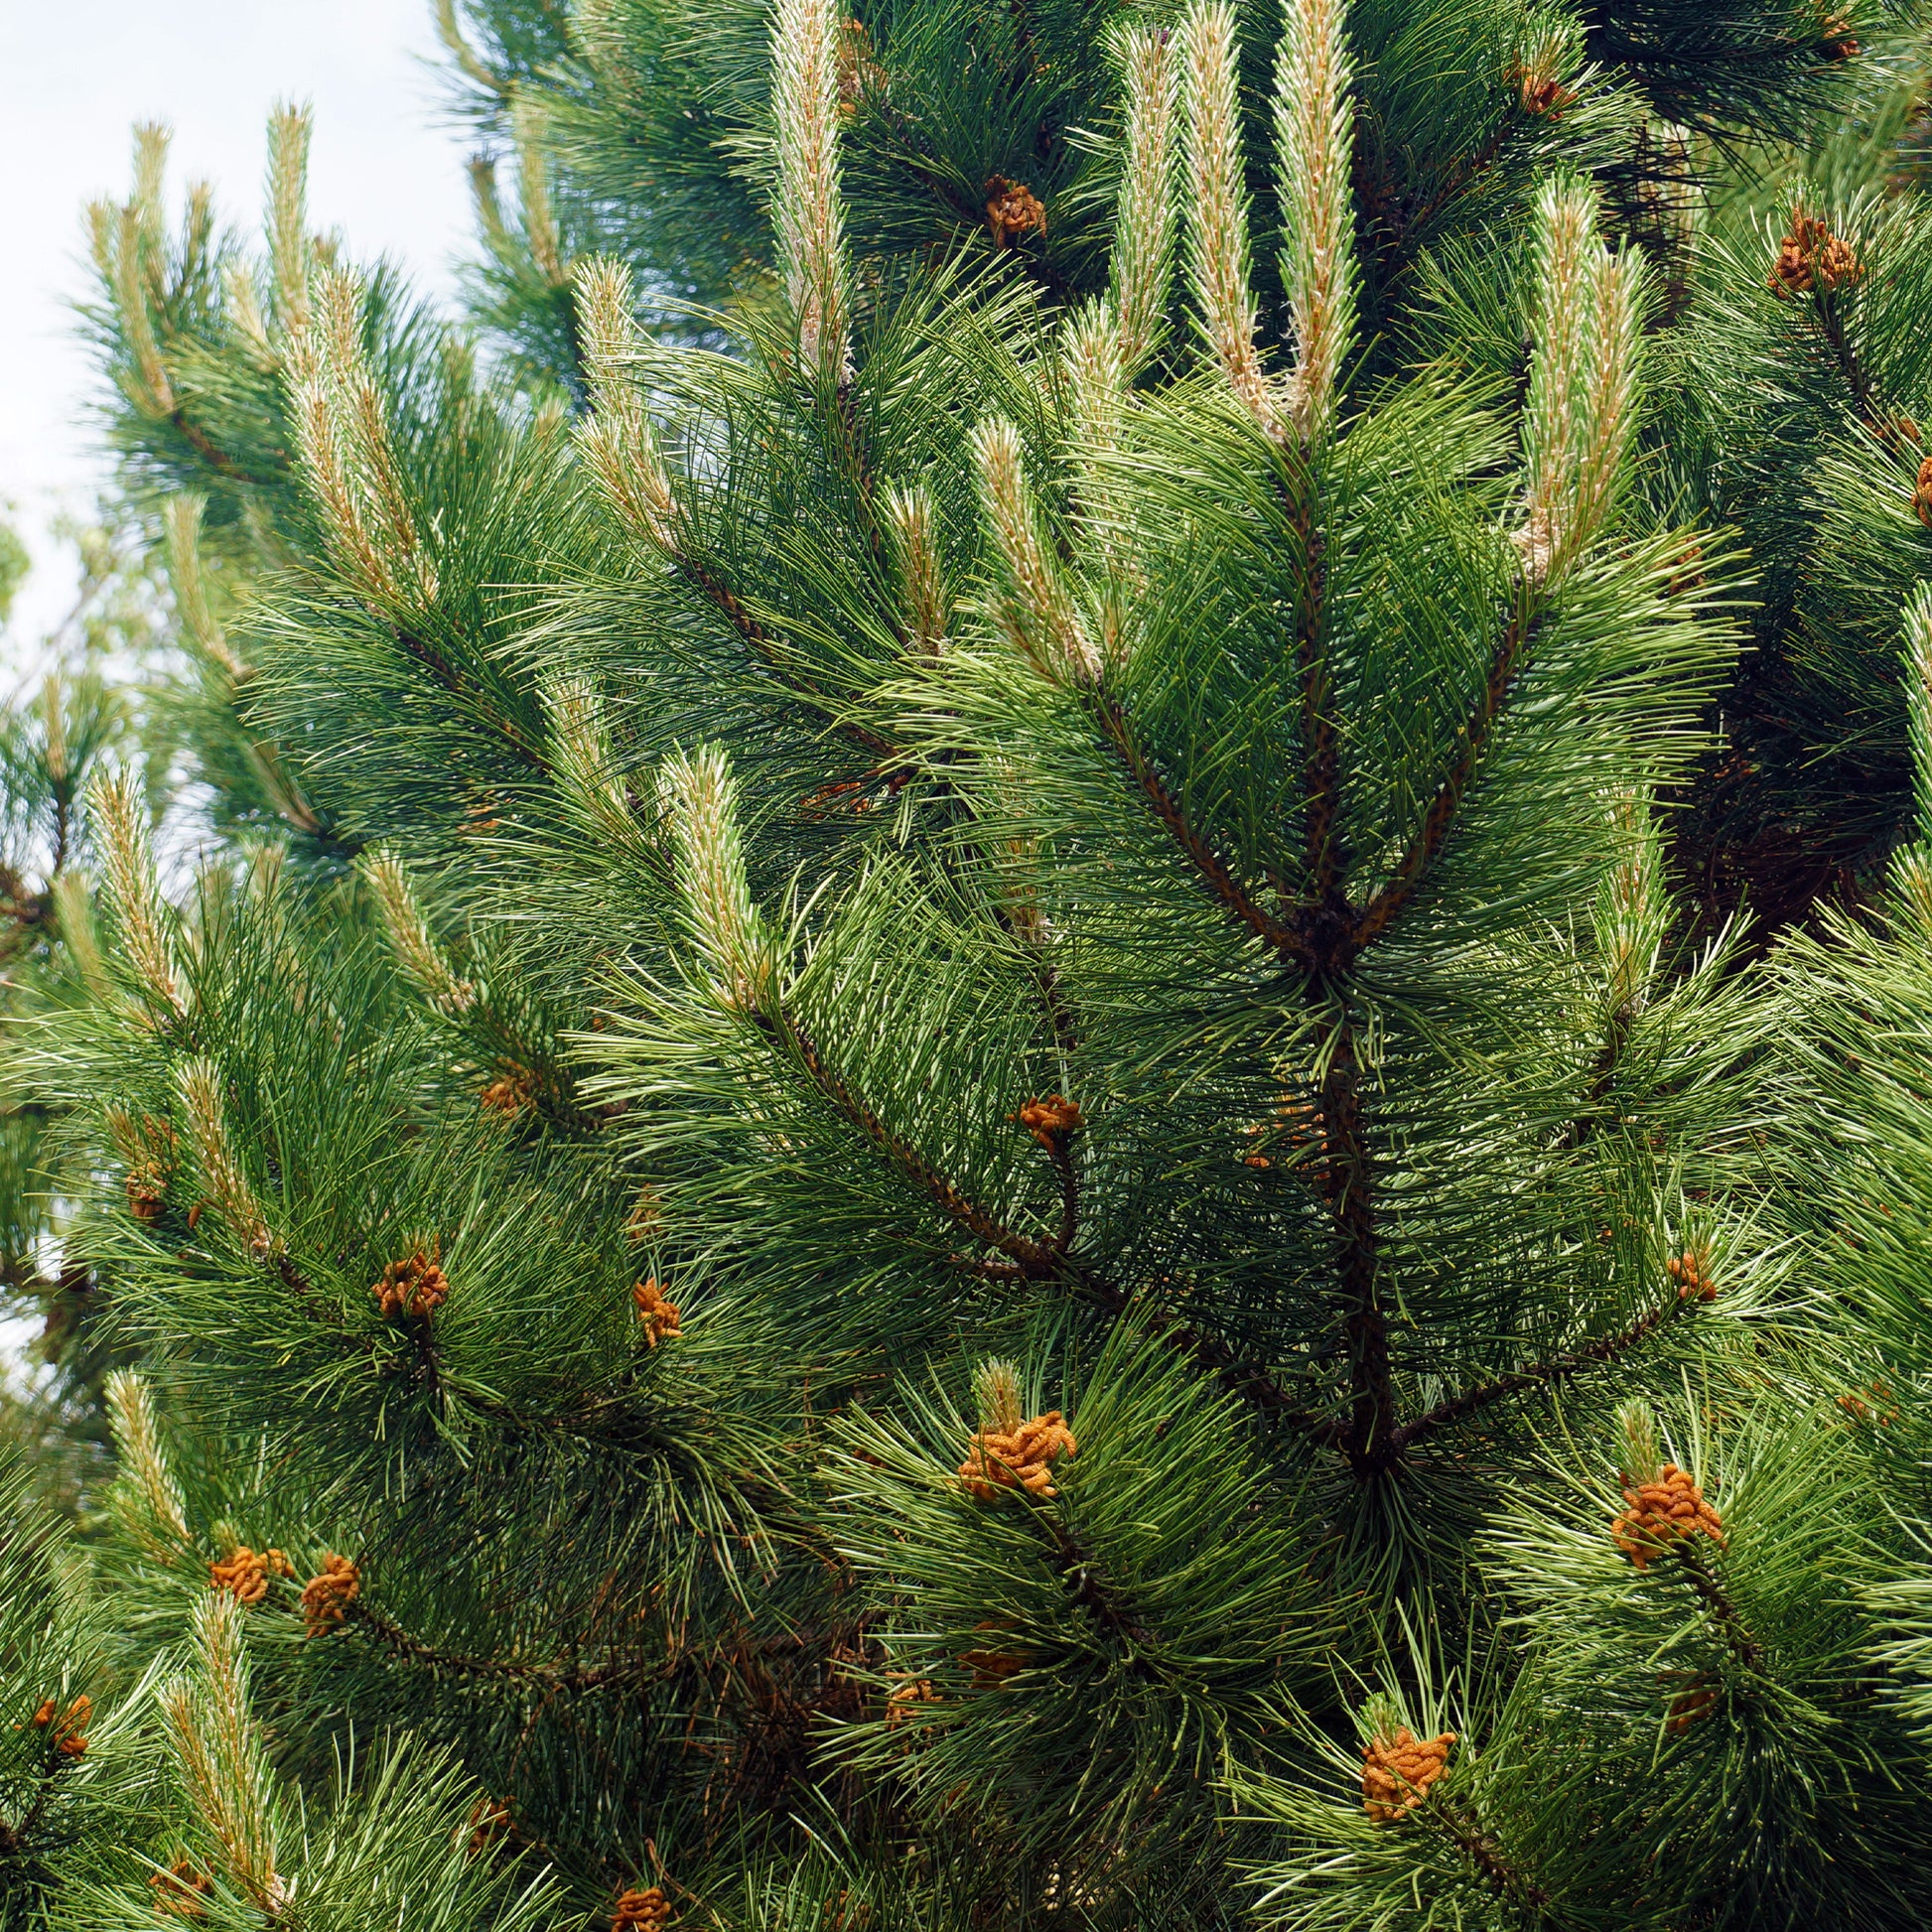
[[1389, 220], [1602, 1074], [1864, 398], [1482, 1852], [1544, 1375], [571, 1676], [1023, 931], [1089, 1588], [1717, 1600], [204, 446], [1060, 1151], [1329, 940], [1246, 1379], [1370, 1438], [852, 448], [292, 1277], [1206, 862], [1033, 1259], [27, 910], [1249, 1381], [1326, 936], [1059, 1013], [1030, 1260], [14, 1836], [466, 690], [1387, 905], [697, 573], [398, 1642]]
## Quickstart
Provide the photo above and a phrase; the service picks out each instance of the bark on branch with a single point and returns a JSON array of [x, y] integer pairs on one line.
[[1386, 906], [765, 647], [1028, 1259], [1213, 872], [1544, 1375]]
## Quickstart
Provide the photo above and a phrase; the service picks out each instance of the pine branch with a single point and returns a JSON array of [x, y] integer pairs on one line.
[[1602, 1075], [461, 685], [1059, 1014], [27, 910], [1321, 767], [1325, 939], [1388, 219], [766, 648], [1330, 939], [295, 1280], [1369, 1440], [1052, 994], [1717, 1600], [1245, 1379], [854, 447], [1325, 934], [1386, 906], [204, 446], [1060, 1151], [54, 1763], [1030, 1260], [1488, 1857], [1595, 1354], [1035, 1261], [1208, 864], [1088, 1587], [632, 1671], [400, 1643], [1883, 421]]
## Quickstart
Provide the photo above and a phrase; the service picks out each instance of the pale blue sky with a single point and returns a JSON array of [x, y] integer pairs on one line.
[[76, 74]]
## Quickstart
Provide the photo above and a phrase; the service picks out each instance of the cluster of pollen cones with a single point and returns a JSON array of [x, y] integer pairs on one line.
[[1664, 1511], [1397, 1772], [1021, 1457]]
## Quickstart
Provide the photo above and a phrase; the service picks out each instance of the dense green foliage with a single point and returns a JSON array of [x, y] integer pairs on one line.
[[1047, 1048]]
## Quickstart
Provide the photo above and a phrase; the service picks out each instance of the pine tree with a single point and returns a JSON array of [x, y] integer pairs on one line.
[[1051, 1055], [85, 703]]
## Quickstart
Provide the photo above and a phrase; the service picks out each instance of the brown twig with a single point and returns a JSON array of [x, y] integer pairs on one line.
[[1369, 1439], [462, 685], [1208, 864], [1723, 1613], [1594, 1354], [1864, 397], [1603, 1073], [1088, 1587], [1034, 1259], [204, 446], [1482, 1852], [1386, 906], [1026, 1258], [768, 652], [564, 1677]]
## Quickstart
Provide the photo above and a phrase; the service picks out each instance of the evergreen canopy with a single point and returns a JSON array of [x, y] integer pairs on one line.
[[1052, 1051]]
